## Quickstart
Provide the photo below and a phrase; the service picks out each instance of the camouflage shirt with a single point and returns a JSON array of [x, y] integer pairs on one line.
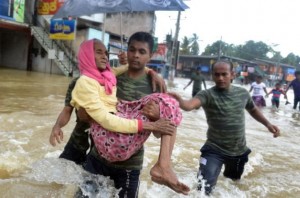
[[69, 92], [225, 115], [78, 138], [130, 89]]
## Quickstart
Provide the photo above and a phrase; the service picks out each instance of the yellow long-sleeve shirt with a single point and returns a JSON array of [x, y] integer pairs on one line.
[[91, 96]]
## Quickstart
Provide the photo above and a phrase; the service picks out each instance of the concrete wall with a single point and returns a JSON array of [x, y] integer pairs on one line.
[[41, 63], [14, 49], [44, 65], [131, 23]]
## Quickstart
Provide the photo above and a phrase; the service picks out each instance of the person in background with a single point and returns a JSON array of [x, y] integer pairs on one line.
[[241, 78], [296, 87], [224, 106], [198, 79], [259, 88], [277, 91]]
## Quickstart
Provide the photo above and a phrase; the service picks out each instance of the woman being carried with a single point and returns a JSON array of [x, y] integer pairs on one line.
[[117, 138]]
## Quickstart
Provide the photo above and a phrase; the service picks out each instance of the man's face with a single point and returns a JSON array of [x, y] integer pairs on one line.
[[138, 55], [222, 75], [101, 55]]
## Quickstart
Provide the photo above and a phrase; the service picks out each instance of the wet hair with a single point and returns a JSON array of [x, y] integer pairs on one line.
[[143, 37], [259, 77], [222, 61], [297, 72], [277, 84]]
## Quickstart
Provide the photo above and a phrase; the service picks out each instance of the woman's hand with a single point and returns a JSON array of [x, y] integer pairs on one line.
[[151, 111]]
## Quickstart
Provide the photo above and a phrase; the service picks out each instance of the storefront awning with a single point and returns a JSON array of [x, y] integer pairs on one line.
[[12, 25]]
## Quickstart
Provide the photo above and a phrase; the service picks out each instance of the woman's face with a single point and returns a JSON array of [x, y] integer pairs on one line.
[[101, 55]]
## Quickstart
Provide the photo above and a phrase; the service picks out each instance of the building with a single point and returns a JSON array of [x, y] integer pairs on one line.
[[25, 30], [271, 71]]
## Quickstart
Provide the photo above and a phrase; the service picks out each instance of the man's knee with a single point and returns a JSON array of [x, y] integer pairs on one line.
[[208, 174], [208, 183], [211, 163]]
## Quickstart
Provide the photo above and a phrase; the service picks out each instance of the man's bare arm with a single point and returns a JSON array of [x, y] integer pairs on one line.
[[62, 120], [188, 84], [257, 115], [187, 105]]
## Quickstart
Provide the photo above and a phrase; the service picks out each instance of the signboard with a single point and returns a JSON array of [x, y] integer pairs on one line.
[[6, 9], [290, 70], [49, 7], [51, 54], [244, 73], [204, 68], [19, 8], [62, 29], [12, 10], [251, 69], [290, 77], [160, 53], [61, 55]]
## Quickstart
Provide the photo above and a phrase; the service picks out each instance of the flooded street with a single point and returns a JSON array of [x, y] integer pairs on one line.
[[30, 103]]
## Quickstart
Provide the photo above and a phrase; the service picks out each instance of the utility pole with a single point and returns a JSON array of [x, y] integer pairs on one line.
[[219, 51], [174, 50], [103, 27], [277, 63]]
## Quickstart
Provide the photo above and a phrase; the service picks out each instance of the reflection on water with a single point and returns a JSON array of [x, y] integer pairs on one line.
[[30, 103]]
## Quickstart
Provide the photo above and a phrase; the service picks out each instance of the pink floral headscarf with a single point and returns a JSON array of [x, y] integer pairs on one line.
[[88, 67]]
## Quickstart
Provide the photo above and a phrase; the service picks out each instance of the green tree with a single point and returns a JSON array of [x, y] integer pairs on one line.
[[215, 48], [290, 59], [194, 44], [276, 57], [184, 47], [252, 50], [249, 51], [230, 50]]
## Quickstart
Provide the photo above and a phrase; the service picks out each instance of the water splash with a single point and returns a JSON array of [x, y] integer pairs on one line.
[[61, 171]]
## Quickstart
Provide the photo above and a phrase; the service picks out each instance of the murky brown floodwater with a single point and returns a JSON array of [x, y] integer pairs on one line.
[[30, 103]]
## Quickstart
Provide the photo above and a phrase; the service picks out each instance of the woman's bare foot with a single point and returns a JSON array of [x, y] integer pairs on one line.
[[166, 176]]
